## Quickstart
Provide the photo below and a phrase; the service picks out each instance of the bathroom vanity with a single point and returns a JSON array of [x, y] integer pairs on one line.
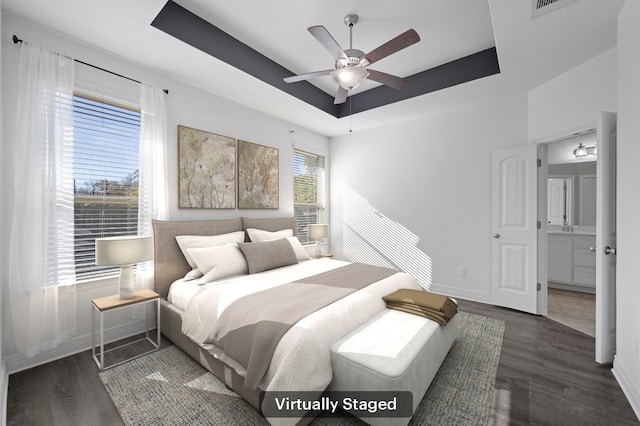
[[572, 258]]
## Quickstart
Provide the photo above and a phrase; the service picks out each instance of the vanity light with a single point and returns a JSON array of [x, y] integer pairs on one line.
[[580, 151], [583, 151]]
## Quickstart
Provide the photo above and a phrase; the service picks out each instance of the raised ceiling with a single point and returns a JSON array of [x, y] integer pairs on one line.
[[186, 26], [529, 51]]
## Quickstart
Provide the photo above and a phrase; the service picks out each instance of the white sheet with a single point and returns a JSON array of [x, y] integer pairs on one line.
[[181, 291], [302, 360]]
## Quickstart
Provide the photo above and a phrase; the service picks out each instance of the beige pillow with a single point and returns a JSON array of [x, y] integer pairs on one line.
[[260, 235], [268, 255], [219, 262]]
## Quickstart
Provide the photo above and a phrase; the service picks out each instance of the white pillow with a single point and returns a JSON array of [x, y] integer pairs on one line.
[[219, 262], [301, 253], [260, 235], [193, 274], [199, 241]]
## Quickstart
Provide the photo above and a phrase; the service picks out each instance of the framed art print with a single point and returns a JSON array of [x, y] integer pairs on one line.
[[258, 176], [207, 170]]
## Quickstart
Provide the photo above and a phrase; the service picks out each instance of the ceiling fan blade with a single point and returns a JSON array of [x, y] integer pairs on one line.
[[386, 79], [307, 76], [322, 35], [341, 96], [394, 45]]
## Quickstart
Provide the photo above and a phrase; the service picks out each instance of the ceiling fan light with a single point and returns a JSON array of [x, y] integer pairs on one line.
[[350, 77]]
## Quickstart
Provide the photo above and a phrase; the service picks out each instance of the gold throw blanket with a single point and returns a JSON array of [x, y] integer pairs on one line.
[[437, 307]]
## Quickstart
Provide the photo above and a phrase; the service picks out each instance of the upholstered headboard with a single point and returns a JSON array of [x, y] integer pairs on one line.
[[171, 265], [272, 224]]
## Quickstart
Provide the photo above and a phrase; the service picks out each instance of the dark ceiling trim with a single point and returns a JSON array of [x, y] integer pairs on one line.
[[182, 24], [463, 70]]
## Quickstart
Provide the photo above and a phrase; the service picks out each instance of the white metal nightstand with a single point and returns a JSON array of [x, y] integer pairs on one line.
[[110, 303]]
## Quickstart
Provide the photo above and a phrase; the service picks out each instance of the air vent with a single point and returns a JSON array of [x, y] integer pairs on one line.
[[542, 7]]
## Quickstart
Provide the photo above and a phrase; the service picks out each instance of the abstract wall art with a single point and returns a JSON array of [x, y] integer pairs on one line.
[[207, 170], [258, 176]]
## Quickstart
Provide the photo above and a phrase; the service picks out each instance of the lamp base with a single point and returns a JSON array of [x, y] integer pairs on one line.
[[126, 282]]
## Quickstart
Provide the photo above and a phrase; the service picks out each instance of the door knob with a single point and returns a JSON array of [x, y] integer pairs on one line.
[[592, 249], [496, 235], [609, 250]]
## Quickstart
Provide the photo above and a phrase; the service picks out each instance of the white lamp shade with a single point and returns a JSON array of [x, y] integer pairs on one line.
[[124, 250], [318, 231]]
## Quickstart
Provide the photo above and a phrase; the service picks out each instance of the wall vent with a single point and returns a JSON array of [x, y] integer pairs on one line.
[[542, 7]]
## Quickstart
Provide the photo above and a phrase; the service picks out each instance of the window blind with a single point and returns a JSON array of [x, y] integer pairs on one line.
[[106, 167], [308, 191]]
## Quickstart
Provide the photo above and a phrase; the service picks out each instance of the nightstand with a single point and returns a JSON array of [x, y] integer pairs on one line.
[[111, 303], [321, 256]]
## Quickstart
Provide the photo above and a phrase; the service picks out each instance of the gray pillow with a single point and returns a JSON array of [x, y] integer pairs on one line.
[[267, 255]]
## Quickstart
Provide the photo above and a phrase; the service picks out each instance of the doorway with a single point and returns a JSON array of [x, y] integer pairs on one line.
[[571, 231], [519, 232]]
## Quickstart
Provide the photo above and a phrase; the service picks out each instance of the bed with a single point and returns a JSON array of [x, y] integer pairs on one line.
[[301, 360]]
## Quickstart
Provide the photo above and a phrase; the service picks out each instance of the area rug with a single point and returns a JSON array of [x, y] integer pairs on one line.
[[167, 387]]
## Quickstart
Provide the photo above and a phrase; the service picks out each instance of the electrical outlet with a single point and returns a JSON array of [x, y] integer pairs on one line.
[[462, 272]]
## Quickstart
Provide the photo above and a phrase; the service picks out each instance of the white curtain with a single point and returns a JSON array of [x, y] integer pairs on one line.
[[152, 198], [38, 167]]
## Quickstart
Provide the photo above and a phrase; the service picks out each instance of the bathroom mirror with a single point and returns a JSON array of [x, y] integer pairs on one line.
[[571, 194], [560, 200]]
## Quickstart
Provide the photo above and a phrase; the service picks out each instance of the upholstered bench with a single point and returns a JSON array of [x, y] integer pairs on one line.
[[395, 351]]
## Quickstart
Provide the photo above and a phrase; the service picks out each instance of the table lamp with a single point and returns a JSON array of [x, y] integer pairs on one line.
[[317, 232], [124, 251]]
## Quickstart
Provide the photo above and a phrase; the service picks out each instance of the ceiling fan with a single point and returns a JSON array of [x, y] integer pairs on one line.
[[351, 64]]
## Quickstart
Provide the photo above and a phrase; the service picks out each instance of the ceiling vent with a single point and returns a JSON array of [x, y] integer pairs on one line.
[[542, 7]]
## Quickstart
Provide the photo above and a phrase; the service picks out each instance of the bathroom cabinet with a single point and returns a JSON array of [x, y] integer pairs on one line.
[[570, 259]]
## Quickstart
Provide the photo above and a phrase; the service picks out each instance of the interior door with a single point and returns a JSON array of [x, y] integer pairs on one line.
[[514, 228], [606, 239]]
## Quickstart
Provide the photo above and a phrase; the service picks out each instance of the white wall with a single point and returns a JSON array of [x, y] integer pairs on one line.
[[187, 106], [425, 184], [626, 365], [4, 380], [573, 100]]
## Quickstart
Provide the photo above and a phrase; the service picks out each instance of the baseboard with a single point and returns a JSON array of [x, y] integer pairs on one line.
[[461, 293], [628, 387], [19, 362]]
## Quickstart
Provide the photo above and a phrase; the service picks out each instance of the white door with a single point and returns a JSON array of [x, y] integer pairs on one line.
[[514, 228], [606, 239]]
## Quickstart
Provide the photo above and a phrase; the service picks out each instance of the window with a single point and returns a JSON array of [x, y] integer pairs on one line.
[[105, 171], [308, 191]]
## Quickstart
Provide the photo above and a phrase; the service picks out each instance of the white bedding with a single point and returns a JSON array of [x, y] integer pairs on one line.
[[181, 291], [302, 360]]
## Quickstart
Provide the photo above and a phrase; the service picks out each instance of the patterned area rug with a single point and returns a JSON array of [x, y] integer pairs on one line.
[[168, 387]]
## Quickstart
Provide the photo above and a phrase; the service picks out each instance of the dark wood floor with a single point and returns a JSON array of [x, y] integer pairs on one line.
[[546, 376]]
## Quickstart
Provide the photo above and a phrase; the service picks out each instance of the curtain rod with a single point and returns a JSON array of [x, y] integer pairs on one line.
[[17, 40]]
